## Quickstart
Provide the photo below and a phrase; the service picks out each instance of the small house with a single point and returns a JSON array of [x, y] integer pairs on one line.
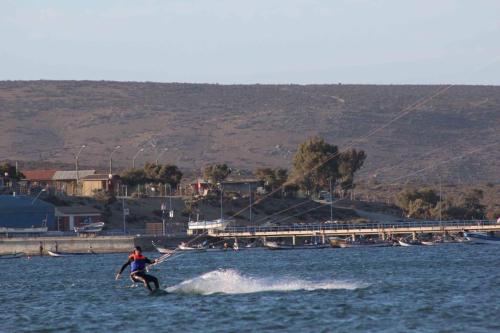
[[99, 183], [68, 182]]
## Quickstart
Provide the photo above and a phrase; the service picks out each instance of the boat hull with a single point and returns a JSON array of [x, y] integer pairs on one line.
[[68, 254], [350, 245], [274, 246], [482, 239], [401, 243], [12, 255]]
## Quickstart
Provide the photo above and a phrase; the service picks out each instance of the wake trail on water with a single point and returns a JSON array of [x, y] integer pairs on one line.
[[230, 281]]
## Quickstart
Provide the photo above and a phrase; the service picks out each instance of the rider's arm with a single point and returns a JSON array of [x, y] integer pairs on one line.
[[125, 266], [149, 261]]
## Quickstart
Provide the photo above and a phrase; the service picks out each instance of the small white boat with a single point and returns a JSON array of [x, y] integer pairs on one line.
[[428, 243], [69, 254], [14, 255], [185, 247], [161, 249], [479, 238], [219, 224], [90, 228], [406, 243]]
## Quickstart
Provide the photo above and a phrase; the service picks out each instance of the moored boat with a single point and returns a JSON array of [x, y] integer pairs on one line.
[[14, 255], [407, 243], [184, 247], [162, 249], [276, 246], [479, 238], [365, 244], [428, 243], [68, 254], [90, 228]]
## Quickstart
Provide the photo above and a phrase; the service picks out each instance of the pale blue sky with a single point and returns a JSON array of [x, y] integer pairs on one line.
[[253, 41]]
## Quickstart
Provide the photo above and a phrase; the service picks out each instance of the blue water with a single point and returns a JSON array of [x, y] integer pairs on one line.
[[449, 288]]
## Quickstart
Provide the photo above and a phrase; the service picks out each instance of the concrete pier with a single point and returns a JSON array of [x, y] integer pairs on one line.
[[99, 244], [40, 245]]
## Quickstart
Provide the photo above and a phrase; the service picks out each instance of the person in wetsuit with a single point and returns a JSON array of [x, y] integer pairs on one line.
[[138, 264]]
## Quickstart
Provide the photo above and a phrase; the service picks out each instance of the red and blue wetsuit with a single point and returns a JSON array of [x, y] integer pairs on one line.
[[138, 264]]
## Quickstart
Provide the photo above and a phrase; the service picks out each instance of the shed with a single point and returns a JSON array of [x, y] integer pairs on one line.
[[69, 217]]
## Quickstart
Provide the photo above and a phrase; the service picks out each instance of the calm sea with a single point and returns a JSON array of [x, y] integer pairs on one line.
[[449, 288]]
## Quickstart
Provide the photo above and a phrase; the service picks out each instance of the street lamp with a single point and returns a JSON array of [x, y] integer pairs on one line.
[[159, 155], [43, 190], [77, 156], [250, 198], [135, 156], [111, 159]]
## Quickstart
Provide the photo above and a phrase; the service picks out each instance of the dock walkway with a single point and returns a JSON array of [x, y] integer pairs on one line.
[[381, 229]]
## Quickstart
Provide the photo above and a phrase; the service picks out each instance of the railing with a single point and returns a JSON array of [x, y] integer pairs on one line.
[[354, 227]]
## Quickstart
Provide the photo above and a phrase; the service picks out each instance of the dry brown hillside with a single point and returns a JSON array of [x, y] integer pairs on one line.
[[251, 126]]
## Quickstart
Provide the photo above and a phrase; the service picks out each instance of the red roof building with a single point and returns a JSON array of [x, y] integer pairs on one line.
[[39, 175]]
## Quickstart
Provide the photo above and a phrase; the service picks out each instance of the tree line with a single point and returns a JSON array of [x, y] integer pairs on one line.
[[426, 203]]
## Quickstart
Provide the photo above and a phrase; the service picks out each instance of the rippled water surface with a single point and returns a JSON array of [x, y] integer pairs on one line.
[[448, 288]]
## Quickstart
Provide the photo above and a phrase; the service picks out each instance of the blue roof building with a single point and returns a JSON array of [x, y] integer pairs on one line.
[[21, 212]]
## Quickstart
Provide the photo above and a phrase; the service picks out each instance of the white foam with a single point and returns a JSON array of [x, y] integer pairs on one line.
[[230, 281]]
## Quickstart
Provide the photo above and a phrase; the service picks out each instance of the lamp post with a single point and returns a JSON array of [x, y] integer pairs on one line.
[[43, 190], [250, 199], [111, 159], [331, 202], [159, 155], [135, 156], [77, 157]]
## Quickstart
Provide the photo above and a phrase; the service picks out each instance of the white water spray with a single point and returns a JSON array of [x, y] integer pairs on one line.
[[232, 282]]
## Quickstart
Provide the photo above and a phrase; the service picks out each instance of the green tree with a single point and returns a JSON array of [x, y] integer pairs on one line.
[[472, 203], [134, 177], [272, 178], [10, 170], [314, 164], [216, 172], [350, 161], [170, 174], [165, 174], [421, 203]]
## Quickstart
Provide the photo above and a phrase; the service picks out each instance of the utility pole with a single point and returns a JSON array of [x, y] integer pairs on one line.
[[250, 198], [124, 217], [331, 202], [169, 197], [221, 202], [440, 200], [77, 156], [163, 212], [111, 159]]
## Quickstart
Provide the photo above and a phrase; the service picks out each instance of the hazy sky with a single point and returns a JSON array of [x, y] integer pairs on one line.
[[253, 41]]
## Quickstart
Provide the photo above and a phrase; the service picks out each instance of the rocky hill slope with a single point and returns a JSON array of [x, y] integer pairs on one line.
[[251, 126]]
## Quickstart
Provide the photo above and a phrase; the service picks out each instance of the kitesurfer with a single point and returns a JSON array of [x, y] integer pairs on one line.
[[138, 264]]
